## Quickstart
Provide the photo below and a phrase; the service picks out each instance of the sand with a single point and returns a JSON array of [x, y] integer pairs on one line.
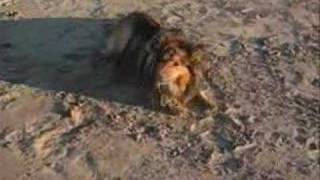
[[62, 119]]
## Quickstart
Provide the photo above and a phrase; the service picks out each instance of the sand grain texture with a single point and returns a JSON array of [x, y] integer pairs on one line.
[[62, 119]]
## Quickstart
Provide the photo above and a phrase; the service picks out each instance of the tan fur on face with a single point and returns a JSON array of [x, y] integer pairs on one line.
[[177, 73], [173, 80]]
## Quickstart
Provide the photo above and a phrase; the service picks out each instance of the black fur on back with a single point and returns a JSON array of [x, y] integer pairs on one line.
[[134, 46]]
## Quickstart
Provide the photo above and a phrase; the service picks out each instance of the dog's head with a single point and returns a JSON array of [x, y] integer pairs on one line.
[[176, 71]]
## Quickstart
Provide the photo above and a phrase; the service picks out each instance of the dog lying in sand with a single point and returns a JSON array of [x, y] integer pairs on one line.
[[159, 58]]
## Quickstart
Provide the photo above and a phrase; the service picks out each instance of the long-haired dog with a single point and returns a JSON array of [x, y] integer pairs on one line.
[[157, 57]]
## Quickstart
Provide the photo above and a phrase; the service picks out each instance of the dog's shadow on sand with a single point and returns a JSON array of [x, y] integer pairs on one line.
[[57, 54]]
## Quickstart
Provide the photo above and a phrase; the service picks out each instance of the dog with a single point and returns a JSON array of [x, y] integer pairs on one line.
[[157, 57]]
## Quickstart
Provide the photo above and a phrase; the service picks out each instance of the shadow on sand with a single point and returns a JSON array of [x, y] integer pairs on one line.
[[57, 53]]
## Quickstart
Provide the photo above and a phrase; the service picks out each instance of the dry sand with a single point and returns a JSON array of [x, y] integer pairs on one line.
[[62, 119]]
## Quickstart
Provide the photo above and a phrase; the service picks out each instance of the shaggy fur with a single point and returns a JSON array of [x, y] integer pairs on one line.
[[133, 46], [156, 56]]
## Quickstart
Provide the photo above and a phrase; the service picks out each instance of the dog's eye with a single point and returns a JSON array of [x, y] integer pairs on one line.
[[168, 54]]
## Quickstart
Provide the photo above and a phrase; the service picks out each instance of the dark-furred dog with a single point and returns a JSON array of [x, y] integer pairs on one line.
[[158, 57]]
